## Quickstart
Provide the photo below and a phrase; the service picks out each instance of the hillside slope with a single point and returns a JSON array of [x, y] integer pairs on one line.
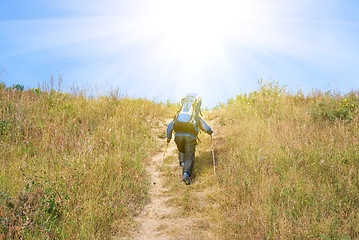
[[290, 165], [287, 168], [73, 167]]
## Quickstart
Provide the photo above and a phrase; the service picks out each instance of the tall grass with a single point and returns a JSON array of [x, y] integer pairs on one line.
[[72, 167], [288, 166]]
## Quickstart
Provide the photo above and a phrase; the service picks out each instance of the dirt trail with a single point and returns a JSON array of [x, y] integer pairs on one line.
[[156, 217], [159, 218]]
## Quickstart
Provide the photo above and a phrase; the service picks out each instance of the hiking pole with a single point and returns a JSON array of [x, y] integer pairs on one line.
[[164, 153], [214, 162]]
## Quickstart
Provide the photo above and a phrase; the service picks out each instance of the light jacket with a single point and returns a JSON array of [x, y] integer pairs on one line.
[[201, 124]]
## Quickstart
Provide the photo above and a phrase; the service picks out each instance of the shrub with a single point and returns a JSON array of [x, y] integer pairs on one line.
[[333, 109]]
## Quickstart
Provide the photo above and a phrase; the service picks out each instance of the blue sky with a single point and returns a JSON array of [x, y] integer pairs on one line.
[[161, 49]]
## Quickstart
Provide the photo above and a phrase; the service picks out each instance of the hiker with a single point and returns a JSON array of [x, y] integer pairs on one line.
[[186, 125]]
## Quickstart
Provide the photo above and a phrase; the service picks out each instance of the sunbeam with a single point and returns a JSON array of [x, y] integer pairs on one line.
[[164, 48]]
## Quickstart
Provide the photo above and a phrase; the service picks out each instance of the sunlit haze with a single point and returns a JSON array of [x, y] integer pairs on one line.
[[162, 49]]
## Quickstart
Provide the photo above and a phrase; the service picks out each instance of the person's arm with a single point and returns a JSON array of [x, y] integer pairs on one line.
[[204, 127], [169, 131]]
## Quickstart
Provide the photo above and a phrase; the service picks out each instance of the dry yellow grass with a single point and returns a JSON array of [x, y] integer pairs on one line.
[[287, 166], [72, 167]]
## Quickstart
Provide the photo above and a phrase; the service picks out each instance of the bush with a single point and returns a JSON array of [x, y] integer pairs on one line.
[[334, 109]]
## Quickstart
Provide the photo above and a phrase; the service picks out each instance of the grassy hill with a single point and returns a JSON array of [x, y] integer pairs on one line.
[[287, 165], [287, 168], [72, 167]]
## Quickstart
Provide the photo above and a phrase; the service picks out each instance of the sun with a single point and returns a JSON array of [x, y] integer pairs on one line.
[[196, 30], [191, 45], [193, 37]]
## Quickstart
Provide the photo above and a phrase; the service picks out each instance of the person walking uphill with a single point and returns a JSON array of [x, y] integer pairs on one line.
[[187, 123]]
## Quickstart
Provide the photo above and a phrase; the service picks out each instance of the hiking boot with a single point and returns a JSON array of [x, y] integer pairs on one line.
[[186, 178]]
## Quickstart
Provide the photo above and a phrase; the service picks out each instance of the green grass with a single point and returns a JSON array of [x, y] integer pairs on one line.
[[287, 166], [73, 167]]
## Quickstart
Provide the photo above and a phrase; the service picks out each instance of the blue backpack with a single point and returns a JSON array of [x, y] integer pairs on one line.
[[186, 120]]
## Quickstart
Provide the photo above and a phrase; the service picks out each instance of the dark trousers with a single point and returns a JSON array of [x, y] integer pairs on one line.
[[186, 147]]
